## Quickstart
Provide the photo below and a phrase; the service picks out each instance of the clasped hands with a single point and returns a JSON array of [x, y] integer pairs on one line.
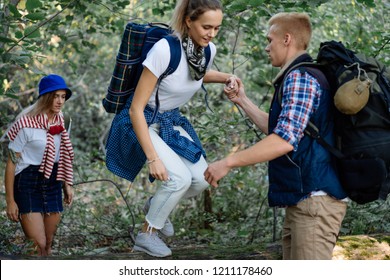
[[231, 87]]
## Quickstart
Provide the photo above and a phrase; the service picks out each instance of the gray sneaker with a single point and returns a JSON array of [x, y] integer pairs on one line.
[[168, 229], [150, 243]]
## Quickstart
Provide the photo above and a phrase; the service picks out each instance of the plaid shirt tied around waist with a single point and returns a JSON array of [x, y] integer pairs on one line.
[[125, 157]]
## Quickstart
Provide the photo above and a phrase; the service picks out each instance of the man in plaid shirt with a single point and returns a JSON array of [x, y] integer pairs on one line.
[[302, 175]]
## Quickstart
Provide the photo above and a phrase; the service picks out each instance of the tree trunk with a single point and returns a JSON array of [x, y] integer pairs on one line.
[[208, 208], [5, 24]]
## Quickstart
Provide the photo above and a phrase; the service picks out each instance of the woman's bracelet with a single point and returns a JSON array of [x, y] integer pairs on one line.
[[153, 160]]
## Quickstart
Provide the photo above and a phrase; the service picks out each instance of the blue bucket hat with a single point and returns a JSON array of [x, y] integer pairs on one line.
[[52, 83]]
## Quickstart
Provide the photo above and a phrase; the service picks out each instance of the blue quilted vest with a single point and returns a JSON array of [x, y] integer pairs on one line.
[[294, 176]]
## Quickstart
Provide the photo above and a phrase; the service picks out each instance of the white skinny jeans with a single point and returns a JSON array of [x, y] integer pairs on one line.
[[186, 179]]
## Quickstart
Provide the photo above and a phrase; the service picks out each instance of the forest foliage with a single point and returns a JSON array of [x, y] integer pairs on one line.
[[79, 39]]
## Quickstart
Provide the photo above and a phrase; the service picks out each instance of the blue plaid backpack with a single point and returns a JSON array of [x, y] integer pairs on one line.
[[136, 42]]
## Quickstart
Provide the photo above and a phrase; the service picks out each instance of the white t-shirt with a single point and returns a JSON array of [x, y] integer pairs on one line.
[[177, 88], [31, 143]]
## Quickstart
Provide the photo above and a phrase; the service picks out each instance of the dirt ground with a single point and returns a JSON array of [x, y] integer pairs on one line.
[[356, 247]]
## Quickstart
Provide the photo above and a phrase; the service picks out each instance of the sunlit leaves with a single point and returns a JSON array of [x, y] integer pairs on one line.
[[6, 39], [32, 32], [18, 58], [31, 5], [36, 16], [368, 3], [14, 11]]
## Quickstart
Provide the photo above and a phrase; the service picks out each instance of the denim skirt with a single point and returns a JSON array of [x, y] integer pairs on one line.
[[34, 193]]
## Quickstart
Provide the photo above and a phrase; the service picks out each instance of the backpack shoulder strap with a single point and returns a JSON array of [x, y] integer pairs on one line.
[[316, 72], [311, 129], [303, 66], [207, 52], [175, 50], [314, 69]]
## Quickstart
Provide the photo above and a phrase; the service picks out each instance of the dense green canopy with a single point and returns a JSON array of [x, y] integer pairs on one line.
[[79, 40]]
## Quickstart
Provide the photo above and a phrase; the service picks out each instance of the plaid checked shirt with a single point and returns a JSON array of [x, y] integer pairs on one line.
[[125, 156], [300, 99]]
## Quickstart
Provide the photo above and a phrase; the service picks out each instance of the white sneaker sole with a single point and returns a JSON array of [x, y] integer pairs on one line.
[[141, 249]]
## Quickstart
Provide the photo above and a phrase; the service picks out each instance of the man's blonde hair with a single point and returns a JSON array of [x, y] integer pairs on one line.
[[296, 24]]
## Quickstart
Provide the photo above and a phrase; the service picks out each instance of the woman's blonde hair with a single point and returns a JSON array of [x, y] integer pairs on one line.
[[296, 24], [192, 9], [42, 105]]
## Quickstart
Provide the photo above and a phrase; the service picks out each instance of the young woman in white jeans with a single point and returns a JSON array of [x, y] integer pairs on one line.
[[169, 144]]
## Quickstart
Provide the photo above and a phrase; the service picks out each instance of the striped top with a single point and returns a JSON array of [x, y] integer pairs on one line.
[[65, 168]]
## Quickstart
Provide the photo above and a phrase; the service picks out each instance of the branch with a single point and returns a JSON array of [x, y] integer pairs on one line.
[[26, 92], [257, 219], [381, 48], [6, 13], [123, 197], [125, 15], [39, 26], [235, 46]]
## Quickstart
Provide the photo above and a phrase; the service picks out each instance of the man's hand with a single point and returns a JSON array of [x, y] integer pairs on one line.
[[231, 87], [216, 171]]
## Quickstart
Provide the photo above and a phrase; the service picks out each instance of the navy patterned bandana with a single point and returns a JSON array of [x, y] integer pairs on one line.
[[196, 59]]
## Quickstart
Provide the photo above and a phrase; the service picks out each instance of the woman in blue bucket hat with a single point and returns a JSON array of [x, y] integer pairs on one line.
[[39, 166]]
